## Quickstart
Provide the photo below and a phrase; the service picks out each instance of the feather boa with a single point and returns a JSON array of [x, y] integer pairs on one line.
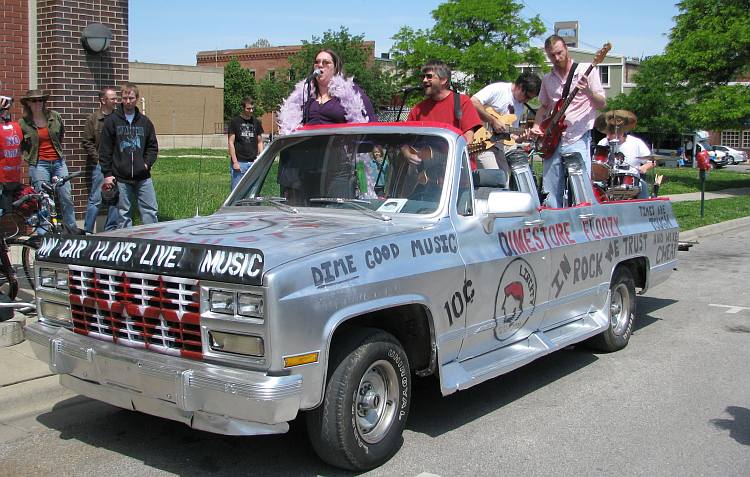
[[290, 113]]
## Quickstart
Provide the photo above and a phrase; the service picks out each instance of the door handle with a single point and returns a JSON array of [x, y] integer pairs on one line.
[[534, 223]]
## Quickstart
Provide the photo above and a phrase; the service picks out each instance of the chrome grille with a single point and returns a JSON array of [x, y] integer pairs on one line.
[[140, 310]]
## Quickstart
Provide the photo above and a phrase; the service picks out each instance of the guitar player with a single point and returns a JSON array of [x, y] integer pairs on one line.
[[504, 99], [579, 116]]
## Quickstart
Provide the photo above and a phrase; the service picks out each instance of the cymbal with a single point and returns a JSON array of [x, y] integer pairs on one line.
[[619, 119]]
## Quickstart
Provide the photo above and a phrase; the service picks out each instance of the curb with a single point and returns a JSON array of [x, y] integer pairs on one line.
[[11, 331], [31, 396], [713, 229]]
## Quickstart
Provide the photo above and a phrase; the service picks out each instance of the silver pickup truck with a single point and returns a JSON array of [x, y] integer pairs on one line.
[[348, 260]]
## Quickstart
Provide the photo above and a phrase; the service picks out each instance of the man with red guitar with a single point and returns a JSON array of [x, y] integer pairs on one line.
[[586, 96]]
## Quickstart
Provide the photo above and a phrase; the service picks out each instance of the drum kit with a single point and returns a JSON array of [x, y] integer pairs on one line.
[[613, 178]]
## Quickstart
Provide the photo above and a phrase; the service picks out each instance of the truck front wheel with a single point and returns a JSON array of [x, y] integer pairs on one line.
[[366, 404]]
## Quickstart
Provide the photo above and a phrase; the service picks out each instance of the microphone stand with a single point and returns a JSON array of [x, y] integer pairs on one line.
[[305, 107], [401, 108]]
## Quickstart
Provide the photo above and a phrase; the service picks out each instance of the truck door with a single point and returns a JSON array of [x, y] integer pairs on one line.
[[505, 273]]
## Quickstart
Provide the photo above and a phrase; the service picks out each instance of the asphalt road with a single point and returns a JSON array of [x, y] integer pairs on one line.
[[676, 402]]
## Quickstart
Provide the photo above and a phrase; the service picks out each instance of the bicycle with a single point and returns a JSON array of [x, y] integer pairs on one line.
[[9, 284], [46, 219]]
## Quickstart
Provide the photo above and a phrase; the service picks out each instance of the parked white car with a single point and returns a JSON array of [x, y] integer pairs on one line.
[[734, 156]]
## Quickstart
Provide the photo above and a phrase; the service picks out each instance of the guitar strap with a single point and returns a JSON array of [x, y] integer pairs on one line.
[[566, 89], [457, 106]]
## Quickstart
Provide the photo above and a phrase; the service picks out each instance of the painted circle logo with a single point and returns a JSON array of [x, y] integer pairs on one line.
[[226, 227], [515, 299]]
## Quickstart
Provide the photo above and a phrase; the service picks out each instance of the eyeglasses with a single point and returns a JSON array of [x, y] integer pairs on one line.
[[428, 75], [35, 100], [323, 62]]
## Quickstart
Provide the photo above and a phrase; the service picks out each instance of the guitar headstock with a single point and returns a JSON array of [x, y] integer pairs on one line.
[[602, 53]]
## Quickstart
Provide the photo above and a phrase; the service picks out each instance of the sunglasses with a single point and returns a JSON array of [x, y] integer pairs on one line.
[[34, 100]]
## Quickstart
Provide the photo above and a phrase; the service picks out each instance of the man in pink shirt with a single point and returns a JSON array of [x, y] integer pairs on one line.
[[579, 117]]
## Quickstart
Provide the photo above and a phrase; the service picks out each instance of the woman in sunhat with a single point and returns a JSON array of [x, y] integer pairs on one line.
[[43, 133]]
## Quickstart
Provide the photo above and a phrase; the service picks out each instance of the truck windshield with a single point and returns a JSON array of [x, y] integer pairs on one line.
[[387, 173]]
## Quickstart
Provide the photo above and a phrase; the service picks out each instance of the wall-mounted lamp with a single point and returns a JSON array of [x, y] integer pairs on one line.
[[96, 38]]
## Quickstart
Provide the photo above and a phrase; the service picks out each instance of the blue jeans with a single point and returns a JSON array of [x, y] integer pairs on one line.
[[553, 179], [145, 195], [44, 171], [95, 200], [237, 175]]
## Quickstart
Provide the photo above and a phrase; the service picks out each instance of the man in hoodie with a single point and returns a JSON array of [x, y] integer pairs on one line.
[[127, 152]]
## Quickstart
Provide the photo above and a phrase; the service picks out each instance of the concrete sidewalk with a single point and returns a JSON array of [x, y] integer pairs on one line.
[[719, 194]]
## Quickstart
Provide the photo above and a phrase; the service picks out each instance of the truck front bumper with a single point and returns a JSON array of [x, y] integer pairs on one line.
[[204, 396]]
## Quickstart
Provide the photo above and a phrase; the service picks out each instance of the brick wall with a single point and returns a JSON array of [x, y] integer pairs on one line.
[[14, 51], [72, 76]]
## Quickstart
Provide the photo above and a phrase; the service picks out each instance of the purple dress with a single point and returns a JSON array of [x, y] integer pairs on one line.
[[332, 112]]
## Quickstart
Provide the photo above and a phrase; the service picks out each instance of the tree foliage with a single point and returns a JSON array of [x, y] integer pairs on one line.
[[238, 83], [484, 39], [687, 87]]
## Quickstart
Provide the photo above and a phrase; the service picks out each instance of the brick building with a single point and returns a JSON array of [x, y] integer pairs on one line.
[[41, 47]]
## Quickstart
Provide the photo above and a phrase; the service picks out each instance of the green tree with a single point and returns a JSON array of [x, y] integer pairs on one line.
[[687, 87], [358, 60], [484, 39], [238, 83]]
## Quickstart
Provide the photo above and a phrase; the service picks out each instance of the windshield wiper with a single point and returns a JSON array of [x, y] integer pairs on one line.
[[355, 203], [277, 202]]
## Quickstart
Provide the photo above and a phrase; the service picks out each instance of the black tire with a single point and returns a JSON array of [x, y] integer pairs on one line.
[[621, 313], [359, 424], [730, 160], [28, 248], [28, 258], [5, 313]]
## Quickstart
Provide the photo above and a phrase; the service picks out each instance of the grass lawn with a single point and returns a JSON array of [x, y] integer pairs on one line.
[[181, 190], [187, 180]]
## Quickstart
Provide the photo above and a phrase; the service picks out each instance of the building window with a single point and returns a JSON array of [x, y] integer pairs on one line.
[[746, 138], [604, 75], [252, 73], [292, 76], [730, 138], [272, 74]]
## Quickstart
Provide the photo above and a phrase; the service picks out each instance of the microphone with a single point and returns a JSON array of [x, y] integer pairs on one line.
[[409, 89], [315, 74]]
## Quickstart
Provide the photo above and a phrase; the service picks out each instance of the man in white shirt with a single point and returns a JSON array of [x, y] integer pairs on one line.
[[634, 152], [504, 99]]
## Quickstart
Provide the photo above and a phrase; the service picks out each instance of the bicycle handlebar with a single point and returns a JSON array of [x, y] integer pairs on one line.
[[27, 198]]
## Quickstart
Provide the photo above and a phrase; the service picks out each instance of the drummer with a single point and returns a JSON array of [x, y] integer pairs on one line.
[[635, 152]]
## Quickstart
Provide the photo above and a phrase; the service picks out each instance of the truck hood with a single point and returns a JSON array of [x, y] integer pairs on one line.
[[233, 247]]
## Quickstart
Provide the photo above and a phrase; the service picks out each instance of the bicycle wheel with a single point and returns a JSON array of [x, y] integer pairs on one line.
[[8, 281], [27, 251]]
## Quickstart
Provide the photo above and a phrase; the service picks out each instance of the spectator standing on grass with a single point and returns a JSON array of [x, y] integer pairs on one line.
[[43, 133], [127, 151], [92, 132], [245, 140]]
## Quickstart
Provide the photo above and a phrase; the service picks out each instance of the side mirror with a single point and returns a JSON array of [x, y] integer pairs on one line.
[[503, 204]]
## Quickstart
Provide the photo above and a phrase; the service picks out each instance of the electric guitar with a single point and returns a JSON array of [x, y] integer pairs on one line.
[[554, 125], [484, 139]]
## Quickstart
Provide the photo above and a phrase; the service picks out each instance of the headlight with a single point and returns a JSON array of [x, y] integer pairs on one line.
[[250, 304], [221, 301], [228, 302], [55, 312], [237, 344], [52, 278]]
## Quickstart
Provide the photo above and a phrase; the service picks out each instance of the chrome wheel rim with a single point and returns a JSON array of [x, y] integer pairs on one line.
[[619, 308], [376, 401]]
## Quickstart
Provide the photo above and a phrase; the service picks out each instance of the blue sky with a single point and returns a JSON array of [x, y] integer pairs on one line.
[[173, 32]]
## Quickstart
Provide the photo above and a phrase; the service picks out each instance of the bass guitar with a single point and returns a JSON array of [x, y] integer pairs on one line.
[[484, 139], [554, 125]]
